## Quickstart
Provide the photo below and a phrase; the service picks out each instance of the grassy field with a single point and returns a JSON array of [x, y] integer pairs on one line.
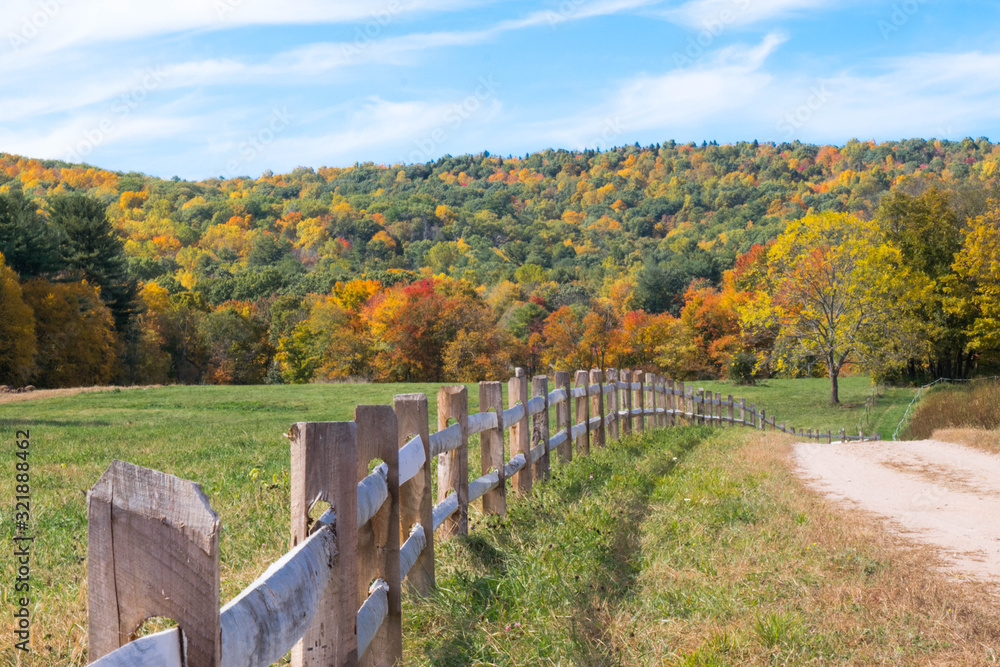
[[805, 403], [692, 548], [229, 439]]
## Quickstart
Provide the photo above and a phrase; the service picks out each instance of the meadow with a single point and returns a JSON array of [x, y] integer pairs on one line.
[[230, 440]]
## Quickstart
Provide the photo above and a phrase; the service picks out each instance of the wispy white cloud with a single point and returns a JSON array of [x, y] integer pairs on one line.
[[730, 79], [42, 26], [931, 94], [704, 13]]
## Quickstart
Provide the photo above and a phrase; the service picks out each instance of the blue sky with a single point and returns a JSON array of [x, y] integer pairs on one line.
[[202, 88]]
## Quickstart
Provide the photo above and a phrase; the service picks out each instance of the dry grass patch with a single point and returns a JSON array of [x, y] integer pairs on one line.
[[719, 556], [988, 441], [805, 583], [40, 394], [974, 405]]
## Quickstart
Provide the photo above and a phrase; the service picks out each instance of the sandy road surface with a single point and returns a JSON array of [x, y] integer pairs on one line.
[[938, 493]]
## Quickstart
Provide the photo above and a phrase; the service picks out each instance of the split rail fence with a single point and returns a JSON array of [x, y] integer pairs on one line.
[[335, 597]]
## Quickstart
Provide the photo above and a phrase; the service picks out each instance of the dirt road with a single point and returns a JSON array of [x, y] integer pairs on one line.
[[938, 493]]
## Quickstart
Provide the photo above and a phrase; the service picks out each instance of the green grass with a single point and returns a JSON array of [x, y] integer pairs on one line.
[[805, 403], [687, 547], [230, 440]]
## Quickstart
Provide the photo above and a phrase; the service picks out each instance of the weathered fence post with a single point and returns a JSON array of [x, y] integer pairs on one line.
[[583, 413], [829, 437], [416, 503], [520, 438], [379, 539], [453, 466], [743, 412], [152, 550], [612, 405], [700, 405], [652, 386], [638, 377], [731, 410], [324, 467], [564, 416], [624, 389], [491, 447], [682, 405], [540, 426], [672, 402], [597, 405], [763, 420]]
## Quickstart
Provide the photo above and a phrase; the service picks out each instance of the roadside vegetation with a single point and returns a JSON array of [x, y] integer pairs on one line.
[[967, 414], [691, 547]]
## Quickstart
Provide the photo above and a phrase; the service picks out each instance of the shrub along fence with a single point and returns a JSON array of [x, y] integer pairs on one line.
[[335, 597]]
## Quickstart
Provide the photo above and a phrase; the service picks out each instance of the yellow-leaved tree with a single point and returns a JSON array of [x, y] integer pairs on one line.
[[837, 293], [978, 264], [17, 330]]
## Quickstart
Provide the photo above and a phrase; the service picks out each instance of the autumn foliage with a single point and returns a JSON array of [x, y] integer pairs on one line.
[[672, 257]]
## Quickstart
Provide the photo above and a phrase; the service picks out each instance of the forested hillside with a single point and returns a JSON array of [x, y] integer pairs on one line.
[[460, 268]]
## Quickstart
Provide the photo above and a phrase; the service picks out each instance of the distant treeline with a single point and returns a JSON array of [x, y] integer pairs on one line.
[[466, 266]]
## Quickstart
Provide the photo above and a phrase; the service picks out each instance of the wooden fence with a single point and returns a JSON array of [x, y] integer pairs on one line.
[[335, 597]]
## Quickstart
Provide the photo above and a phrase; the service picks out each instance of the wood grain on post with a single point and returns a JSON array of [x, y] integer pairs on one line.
[[743, 412], [153, 550], [564, 416], [583, 413], [665, 403], [378, 540], [700, 406], [492, 449], [640, 401], [520, 438], [612, 405], [652, 386], [672, 403], [626, 396], [453, 466], [540, 426], [682, 404], [416, 504], [597, 406], [731, 410], [324, 467]]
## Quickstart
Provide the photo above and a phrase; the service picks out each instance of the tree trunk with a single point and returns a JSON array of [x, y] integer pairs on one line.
[[834, 389]]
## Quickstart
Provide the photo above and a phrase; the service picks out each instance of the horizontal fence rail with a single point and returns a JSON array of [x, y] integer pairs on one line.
[[363, 519]]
